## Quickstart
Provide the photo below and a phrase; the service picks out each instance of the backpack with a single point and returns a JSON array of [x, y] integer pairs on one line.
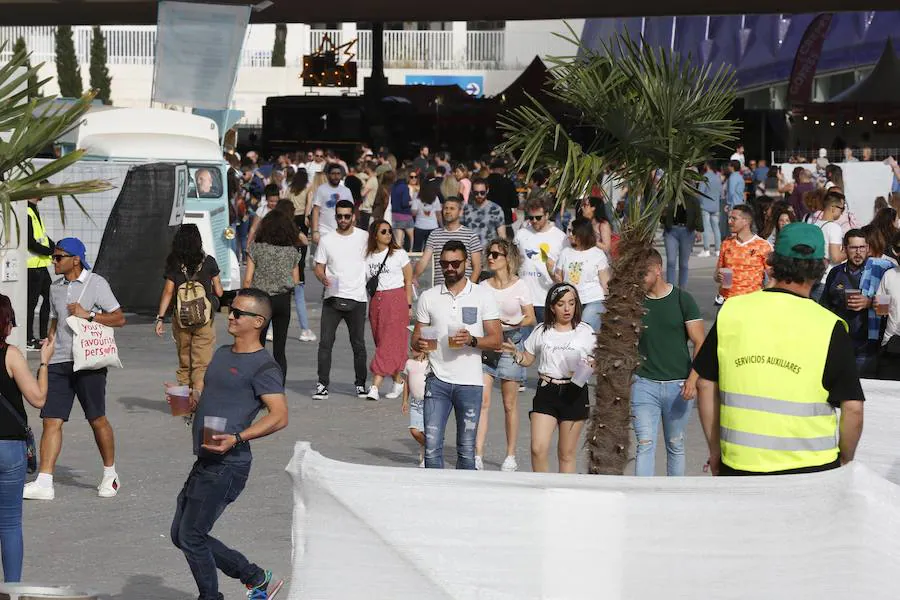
[[192, 307]]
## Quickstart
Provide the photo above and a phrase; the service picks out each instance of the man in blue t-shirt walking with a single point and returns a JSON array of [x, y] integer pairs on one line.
[[241, 379]]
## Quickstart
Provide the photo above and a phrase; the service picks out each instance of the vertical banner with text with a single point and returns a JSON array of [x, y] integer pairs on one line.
[[807, 59], [198, 53]]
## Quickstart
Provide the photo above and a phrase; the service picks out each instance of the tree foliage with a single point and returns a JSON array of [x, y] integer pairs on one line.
[[99, 71], [68, 72], [280, 48], [643, 116], [21, 48]]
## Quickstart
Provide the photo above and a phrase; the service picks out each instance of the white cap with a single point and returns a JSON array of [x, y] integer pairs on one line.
[[823, 153]]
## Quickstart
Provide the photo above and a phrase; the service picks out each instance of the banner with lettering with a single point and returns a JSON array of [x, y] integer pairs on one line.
[[807, 59], [93, 345]]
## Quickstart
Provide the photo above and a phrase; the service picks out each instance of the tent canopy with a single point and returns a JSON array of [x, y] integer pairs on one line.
[[881, 86]]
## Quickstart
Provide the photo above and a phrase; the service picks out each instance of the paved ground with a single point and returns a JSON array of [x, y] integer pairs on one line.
[[120, 547]]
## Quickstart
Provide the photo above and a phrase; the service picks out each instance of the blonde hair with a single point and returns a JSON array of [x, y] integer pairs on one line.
[[318, 179], [511, 250]]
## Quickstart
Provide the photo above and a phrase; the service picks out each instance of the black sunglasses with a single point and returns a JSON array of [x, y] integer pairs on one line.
[[59, 257], [495, 255], [480, 192], [344, 217], [238, 313], [384, 232], [451, 264], [534, 217]]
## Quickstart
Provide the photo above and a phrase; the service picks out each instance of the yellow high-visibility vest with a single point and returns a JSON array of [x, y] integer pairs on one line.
[[36, 261], [774, 412]]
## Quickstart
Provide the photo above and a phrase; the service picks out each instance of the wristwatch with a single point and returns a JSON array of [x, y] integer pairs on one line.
[[91, 317], [237, 439], [473, 342]]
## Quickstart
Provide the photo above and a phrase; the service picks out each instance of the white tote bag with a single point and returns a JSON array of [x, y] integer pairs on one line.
[[93, 345]]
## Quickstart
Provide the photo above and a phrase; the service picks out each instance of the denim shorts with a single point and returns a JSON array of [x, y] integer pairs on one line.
[[416, 413], [507, 369]]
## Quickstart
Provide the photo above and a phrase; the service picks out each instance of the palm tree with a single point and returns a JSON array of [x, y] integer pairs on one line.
[[31, 126], [644, 116]]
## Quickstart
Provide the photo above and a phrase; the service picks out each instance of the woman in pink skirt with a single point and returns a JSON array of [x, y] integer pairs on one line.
[[389, 308]]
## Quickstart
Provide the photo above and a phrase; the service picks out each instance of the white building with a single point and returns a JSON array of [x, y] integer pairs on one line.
[[481, 56]]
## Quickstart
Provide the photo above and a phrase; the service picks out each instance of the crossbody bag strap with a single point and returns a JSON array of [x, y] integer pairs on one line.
[[381, 268], [84, 287], [14, 412]]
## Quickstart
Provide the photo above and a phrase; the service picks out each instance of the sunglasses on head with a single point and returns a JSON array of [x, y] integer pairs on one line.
[[60, 257], [534, 217], [343, 216], [238, 313], [451, 264], [495, 255]]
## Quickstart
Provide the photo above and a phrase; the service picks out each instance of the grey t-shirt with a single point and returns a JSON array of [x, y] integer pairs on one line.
[[97, 296], [232, 388]]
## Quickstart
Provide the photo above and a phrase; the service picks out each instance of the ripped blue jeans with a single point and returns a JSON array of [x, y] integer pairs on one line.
[[650, 402], [465, 401]]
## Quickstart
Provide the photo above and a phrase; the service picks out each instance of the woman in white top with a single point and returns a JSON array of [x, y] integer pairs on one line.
[[586, 267], [389, 308], [516, 311], [427, 214], [563, 341]]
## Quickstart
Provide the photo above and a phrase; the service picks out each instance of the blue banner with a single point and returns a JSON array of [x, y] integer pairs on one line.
[[471, 84]]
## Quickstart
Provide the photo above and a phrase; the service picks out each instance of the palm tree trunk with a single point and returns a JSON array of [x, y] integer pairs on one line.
[[609, 427]]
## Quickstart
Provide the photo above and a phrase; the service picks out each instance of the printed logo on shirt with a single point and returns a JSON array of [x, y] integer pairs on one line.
[[332, 201], [233, 371]]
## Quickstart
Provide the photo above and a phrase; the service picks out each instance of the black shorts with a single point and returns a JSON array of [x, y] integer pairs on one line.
[[63, 384], [565, 402]]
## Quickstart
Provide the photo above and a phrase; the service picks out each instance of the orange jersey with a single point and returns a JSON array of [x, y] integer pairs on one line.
[[747, 261]]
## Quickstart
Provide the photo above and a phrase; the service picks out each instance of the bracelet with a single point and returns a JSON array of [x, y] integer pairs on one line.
[[160, 319], [42, 365], [238, 439]]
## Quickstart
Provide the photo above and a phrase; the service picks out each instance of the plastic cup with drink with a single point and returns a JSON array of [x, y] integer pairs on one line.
[[727, 277], [583, 373], [213, 426], [333, 284], [179, 399], [453, 329], [850, 293], [429, 338], [882, 305]]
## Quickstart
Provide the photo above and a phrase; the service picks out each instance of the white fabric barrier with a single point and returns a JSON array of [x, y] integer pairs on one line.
[[397, 533]]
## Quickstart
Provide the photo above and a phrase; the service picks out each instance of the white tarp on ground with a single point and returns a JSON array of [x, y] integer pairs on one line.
[[397, 533]]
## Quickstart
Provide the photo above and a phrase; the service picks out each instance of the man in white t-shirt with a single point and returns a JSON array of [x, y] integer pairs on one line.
[[327, 196], [341, 267], [833, 207], [739, 155], [464, 315], [540, 243]]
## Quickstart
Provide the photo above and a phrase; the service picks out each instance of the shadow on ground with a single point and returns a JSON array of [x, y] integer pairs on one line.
[[148, 587]]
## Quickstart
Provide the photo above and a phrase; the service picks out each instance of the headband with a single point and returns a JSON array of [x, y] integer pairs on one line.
[[561, 291]]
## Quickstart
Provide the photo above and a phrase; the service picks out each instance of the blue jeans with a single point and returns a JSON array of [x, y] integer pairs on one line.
[[591, 312], [711, 234], [210, 487], [465, 401], [12, 479], [679, 241], [651, 400], [300, 306]]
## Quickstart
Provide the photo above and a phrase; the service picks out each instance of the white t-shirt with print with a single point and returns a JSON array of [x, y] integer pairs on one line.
[[535, 249], [560, 351], [326, 199], [438, 308], [344, 258], [391, 276], [833, 235], [426, 214], [581, 268], [510, 301]]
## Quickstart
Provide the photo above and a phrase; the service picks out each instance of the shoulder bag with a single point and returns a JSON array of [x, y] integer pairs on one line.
[[372, 283], [93, 344], [30, 447]]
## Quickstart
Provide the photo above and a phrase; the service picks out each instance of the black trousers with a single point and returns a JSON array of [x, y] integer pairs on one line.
[[356, 325], [281, 318], [38, 287]]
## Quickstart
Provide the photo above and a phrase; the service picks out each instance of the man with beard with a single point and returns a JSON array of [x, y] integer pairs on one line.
[[467, 321], [326, 198]]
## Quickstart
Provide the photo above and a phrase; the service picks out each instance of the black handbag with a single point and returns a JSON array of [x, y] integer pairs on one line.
[[372, 283], [341, 304], [30, 448], [893, 346], [491, 358]]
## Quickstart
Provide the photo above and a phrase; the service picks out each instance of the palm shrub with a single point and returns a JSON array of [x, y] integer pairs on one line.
[[644, 116]]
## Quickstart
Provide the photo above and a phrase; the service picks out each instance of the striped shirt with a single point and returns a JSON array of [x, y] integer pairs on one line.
[[439, 237]]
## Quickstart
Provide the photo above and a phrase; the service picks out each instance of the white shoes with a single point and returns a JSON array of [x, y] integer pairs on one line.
[[421, 459], [33, 491], [109, 486], [704, 254], [373, 394], [395, 391], [479, 463], [509, 464], [307, 335]]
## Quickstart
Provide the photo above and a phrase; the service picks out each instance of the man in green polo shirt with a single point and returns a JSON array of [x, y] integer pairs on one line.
[[664, 385]]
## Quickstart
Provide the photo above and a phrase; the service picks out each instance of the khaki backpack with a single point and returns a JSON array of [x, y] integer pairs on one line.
[[192, 307]]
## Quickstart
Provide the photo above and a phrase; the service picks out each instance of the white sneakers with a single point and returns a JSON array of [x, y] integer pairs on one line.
[[509, 464], [704, 254], [479, 464], [395, 391], [373, 394], [307, 335], [34, 491], [108, 488], [421, 458]]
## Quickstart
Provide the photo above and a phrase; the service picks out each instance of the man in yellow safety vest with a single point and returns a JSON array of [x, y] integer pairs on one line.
[[40, 247], [774, 367]]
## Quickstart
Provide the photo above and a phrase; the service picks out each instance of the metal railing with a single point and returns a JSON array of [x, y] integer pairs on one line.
[[136, 45], [835, 156]]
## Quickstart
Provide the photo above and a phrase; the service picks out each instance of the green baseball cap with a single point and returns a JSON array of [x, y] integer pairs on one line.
[[800, 234]]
